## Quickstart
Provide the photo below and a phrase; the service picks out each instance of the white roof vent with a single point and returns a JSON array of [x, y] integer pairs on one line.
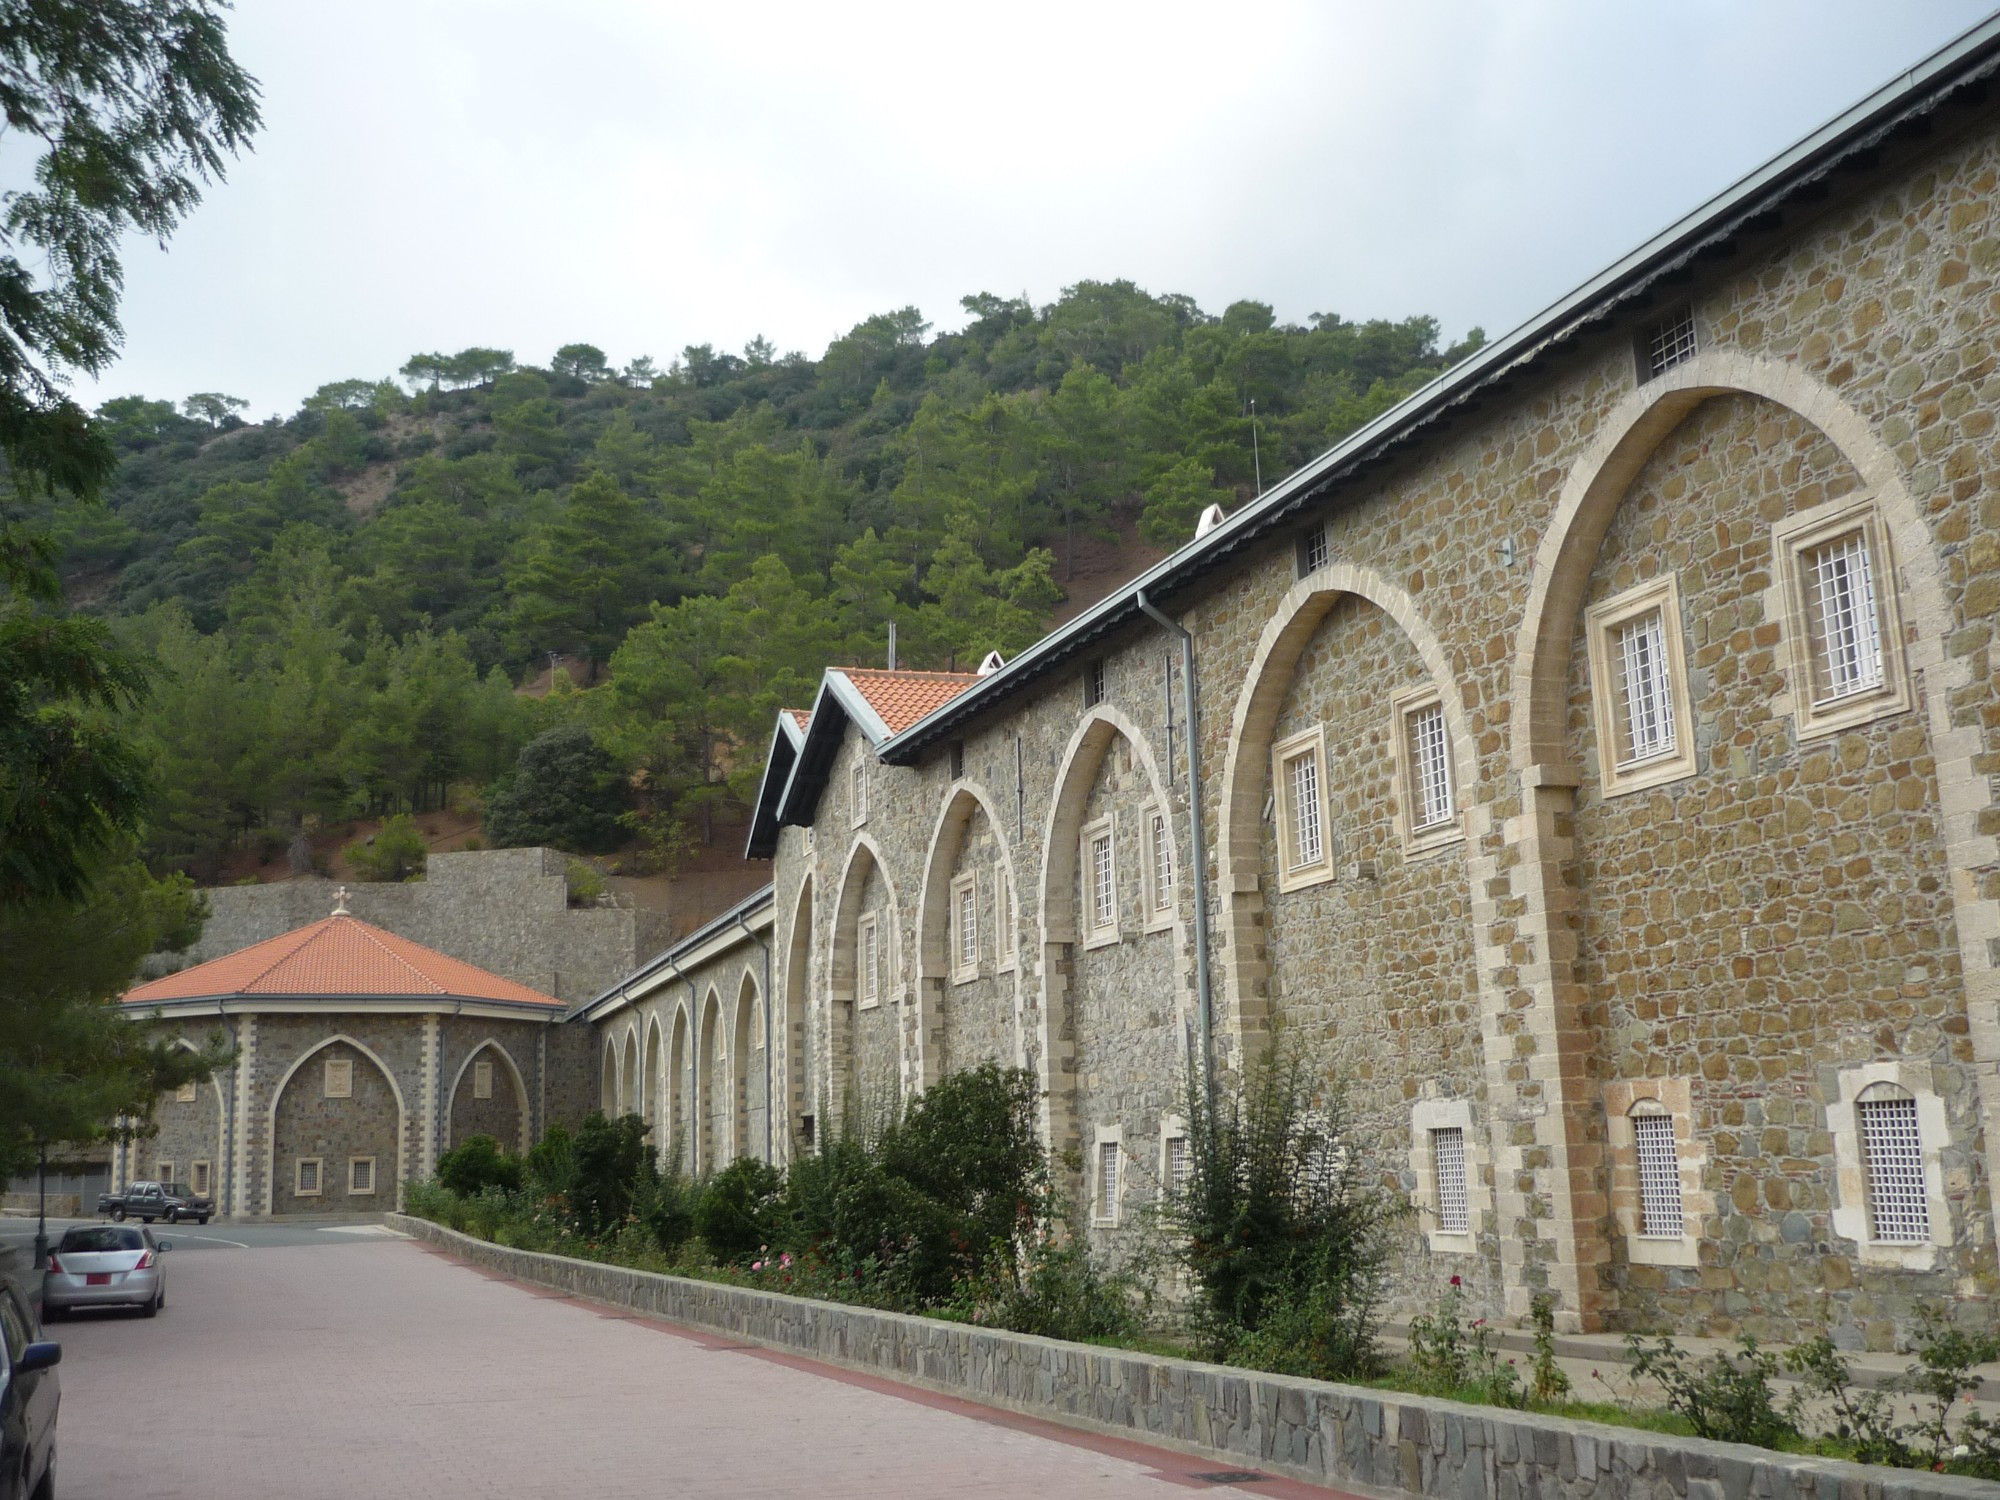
[[991, 665], [1210, 519]]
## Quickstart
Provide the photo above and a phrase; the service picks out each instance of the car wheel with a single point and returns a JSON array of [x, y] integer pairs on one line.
[[203, 1220], [118, 1213], [152, 1309], [173, 1216]]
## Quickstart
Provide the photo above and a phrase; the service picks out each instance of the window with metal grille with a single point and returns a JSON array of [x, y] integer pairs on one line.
[[1670, 342], [1107, 1179], [166, 1172], [482, 1079], [1163, 862], [1093, 684], [957, 759], [1448, 1162], [871, 976], [339, 1078], [1103, 885], [1177, 1162], [968, 927], [1302, 793], [361, 1174], [1661, 1215], [200, 1176], [1645, 690], [305, 1180], [1313, 550], [1892, 1152], [1430, 768], [1845, 621]]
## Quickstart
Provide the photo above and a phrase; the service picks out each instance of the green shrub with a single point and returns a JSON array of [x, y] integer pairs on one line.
[[584, 882], [552, 1166], [476, 1164], [396, 852], [611, 1162], [737, 1213], [1725, 1397]]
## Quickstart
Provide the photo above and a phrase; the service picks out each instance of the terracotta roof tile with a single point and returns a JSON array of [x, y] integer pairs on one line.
[[803, 717], [340, 955], [902, 698]]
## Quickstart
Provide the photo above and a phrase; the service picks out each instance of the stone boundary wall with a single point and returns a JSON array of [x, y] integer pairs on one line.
[[1304, 1429]]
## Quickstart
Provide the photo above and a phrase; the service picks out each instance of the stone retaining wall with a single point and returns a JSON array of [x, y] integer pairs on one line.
[[1307, 1429]]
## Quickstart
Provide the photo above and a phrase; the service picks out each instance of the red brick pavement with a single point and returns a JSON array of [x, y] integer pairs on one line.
[[383, 1369]]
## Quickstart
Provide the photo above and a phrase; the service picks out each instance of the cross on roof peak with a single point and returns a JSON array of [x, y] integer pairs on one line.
[[340, 903]]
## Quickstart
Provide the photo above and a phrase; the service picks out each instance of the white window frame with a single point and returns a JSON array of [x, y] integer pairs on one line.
[[1006, 941], [186, 1093], [1853, 1213], [337, 1078], [1156, 831], [1096, 934], [1793, 540], [1294, 875], [964, 890], [868, 985], [1602, 624], [201, 1177], [482, 1078], [1404, 709], [857, 789], [1112, 1136], [299, 1165], [1427, 1116], [354, 1164], [1624, 1101], [1172, 1128]]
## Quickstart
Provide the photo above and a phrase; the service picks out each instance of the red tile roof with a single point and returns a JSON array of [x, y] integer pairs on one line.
[[803, 717], [339, 956], [902, 698]]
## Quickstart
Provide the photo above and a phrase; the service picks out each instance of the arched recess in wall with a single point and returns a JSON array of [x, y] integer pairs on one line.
[[1094, 737], [630, 1100], [967, 800], [1246, 772], [607, 1078], [680, 1086], [1626, 440], [863, 859], [219, 1156], [389, 1184], [743, 1048], [503, 1061], [655, 1071], [712, 1092], [789, 1074]]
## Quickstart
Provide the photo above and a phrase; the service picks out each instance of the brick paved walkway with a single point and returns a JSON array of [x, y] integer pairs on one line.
[[383, 1368]]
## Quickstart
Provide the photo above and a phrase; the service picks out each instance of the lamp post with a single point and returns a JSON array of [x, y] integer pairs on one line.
[[42, 1208]]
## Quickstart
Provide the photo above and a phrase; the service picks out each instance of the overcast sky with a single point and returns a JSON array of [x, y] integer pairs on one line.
[[523, 173]]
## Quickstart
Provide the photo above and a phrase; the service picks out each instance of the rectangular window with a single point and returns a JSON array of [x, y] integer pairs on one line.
[[305, 1177], [167, 1173], [1661, 1215], [1313, 550], [1448, 1157], [1892, 1152], [868, 960], [1163, 861], [1107, 1180], [965, 927], [199, 1175], [482, 1079], [1093, 684], [1846, 625], [1430, 767], [1669, 342], [1843, 630], [339, 1078], [1176, 1166], [860, 793], [1638, 694], [360, 1175], [1103, 885], [185, 1093]]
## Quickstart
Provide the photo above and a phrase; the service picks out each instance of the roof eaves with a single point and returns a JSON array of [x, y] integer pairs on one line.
[[763, 840], [742, 910], [1855, 128]]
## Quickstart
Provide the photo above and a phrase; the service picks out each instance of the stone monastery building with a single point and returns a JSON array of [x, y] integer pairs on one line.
[[1593, 761]]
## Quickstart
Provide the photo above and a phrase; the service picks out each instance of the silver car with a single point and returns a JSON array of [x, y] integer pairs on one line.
[[105, 1265]]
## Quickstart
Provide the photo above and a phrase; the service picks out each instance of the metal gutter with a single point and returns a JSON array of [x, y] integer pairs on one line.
[[1859, 127]]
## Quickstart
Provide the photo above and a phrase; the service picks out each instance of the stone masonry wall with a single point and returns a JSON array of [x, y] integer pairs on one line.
[[309, 1124], [188, 1133]]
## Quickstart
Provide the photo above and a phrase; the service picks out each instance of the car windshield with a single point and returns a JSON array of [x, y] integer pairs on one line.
[[99, 1237]]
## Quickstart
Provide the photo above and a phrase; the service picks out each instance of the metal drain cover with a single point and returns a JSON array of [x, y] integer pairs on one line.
[[1230, 1476]]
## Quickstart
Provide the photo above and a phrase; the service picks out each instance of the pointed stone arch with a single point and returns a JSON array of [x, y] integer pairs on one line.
[[654, 1067], [680, 1087], [1076, 773], [744, 1033], [607, 1078], [1246, 772], [218, 1155], [630, 1099], [864, 856], [513, 1071], [711, 1090], [948, 834], [271, 1142], [1545, 990], [790, 1068]]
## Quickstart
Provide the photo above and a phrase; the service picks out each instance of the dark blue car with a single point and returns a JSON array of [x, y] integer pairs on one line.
[[29, 1394]]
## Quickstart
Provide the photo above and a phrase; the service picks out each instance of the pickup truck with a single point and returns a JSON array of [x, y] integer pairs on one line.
[[148, 1201]]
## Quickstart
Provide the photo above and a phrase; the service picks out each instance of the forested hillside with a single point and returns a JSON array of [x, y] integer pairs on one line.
[[346, 602]]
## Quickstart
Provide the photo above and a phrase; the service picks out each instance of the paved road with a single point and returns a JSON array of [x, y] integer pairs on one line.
[[362, 1365], [19, 1233]]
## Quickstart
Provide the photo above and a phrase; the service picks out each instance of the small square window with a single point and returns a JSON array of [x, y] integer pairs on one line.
[[1667, 343], [1841, 621], [1638, 688], [1299, 783], [1099, 874], [306, 1176], [965, 927], [166, 1172], [185, 1093], [859, 787], [360, 1175], [868, 960], [482, 1079], [1428, 806], [200, 1178], [1313, 549], [339, 1078], [1454, 1211]]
